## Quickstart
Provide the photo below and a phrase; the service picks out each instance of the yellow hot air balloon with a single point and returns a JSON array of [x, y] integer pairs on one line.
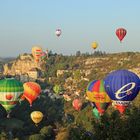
[[36, 117], [36, 52], [94, 45]]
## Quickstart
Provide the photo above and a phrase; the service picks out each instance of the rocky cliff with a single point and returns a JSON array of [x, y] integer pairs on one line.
[[22, 65]]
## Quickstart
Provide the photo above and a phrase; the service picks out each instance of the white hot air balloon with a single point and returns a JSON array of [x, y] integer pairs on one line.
[[58, 32]]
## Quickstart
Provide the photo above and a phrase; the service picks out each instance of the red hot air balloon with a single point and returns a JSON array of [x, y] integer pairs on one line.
[[120, 33], [77, 104]]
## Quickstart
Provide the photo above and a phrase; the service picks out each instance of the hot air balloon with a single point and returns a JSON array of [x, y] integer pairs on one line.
[[36, 52], [31, 91], [10, 92], [94, 45], [120, 33], [96, 113], [96, 93], [77, 104], [122, 86], [57, 89], [43, 55], [58, 32], [22, 98], [36, 117]]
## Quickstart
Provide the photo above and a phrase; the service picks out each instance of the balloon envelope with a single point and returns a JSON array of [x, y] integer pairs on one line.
[[31, 91], [96, 113], [36, 116], [96, 93], [36, 52], [77, 104], [43, 55], [94, 45], [90, 85], [122, 87], [121, 33], [57, 89], [58, 32], [10, 92]]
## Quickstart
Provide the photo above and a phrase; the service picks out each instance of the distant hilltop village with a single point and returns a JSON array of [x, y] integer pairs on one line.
[[24, 68]]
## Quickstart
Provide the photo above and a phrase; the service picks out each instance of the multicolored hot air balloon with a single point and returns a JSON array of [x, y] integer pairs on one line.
[[77, 104], [36, 52], [121, 33], [94, 45], [43, 55], [31, 91], [122, 86], [36, 117], [96, 93], [58, 32], [10, 92]]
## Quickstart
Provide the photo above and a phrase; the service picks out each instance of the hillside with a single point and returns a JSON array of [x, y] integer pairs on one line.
[[6, 59], [61, 121], [75, 72], [97, 64]]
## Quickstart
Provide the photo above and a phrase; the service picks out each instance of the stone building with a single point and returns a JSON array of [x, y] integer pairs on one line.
[[33, 73]]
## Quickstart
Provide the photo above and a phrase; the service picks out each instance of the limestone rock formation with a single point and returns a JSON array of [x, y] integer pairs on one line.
[[23, 65]]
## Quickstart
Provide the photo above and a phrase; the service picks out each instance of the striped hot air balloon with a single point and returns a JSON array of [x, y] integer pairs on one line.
[[96, 93], [36, 52], [31, 91], [121, 33], [10, 92]]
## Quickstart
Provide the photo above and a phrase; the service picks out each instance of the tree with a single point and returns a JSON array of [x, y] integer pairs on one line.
[[77, 75], [36, 137], [78, 53], [63, 134], [47, 131]]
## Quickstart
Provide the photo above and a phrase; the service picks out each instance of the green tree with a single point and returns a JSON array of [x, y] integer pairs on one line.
[[36, 137], [47, 131], [77, 75]]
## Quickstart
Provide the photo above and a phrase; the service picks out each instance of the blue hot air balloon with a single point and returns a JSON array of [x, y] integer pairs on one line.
[[122, 86]]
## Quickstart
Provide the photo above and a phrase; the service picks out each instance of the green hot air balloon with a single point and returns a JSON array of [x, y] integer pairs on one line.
[[95, 112], [10, 92], [57, 89]]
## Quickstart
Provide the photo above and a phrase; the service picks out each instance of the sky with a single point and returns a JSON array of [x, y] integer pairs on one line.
[[27, 23]]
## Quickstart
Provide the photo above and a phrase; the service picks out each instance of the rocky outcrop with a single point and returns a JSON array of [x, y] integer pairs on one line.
[[61, 72], [23, 65]]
